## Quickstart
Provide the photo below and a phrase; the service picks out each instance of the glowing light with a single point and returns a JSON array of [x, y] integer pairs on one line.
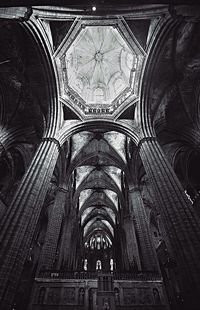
[[94, 8]]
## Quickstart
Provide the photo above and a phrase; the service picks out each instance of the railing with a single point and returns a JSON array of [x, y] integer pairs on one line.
[[139, 276], [54, 274]]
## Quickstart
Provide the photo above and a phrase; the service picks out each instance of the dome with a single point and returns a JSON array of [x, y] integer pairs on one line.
[[99, 68], [99, 65]]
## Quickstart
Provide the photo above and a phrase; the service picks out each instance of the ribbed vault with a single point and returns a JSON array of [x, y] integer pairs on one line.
[[96, 169], [99, 147]]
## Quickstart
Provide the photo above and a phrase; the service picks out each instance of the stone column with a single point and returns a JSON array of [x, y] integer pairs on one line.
[[181, 224], [75, 240], [9, 136], [50, 246], [131, 241], [3, 208], [18, 224], [154, 199], [66, 239], [149, 261]]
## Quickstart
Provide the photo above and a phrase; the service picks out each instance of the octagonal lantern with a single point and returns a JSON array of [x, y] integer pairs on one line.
[[98, 70]]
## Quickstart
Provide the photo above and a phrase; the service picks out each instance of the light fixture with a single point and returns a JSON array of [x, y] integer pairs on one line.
[[94, 8]]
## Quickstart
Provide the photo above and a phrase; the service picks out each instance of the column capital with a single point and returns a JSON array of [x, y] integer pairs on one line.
[[145, 139], [134, 188], [54, 140], [63, 190]]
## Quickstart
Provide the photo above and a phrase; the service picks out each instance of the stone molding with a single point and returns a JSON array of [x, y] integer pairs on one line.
[[145, 139], [54, 140]]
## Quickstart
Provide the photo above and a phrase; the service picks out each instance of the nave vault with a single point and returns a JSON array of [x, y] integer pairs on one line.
[[99, 156]]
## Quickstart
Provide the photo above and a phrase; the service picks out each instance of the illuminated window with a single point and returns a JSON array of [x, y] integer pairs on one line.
[[98, 95]]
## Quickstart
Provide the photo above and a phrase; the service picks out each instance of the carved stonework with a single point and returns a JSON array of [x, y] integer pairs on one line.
[[53, 297], [99, 68], [137, 296], [68, 295], [129, 296]]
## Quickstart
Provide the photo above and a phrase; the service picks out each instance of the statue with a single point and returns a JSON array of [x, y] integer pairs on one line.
[[106, 304]]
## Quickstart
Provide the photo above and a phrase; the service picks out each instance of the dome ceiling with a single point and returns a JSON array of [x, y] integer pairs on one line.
[[99, 65], [99, 69]]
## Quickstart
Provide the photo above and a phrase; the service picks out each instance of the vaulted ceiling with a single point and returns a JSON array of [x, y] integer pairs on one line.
[[98, 160], [99, 61], [99, 64]]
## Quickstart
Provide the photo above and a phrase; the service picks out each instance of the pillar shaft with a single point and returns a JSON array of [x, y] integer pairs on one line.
[[177, 214], [7, 138], [19, 222], [49, 250], [3, 208], [66, 239], [131, 242], [74, 255], [149, 260], [154, 199]]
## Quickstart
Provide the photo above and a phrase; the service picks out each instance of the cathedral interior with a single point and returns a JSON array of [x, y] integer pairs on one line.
[[99, 156]]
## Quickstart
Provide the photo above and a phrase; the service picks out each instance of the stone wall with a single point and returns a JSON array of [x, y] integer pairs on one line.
[[82, 294]]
